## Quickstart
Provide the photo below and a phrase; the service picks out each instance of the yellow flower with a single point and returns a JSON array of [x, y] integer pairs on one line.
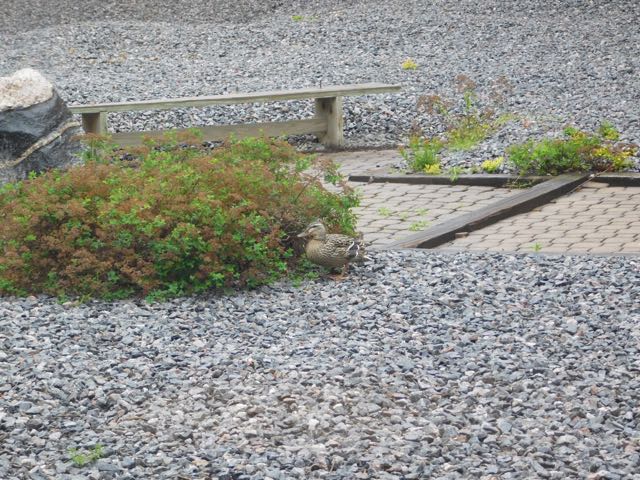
[[409, 64], [432, 169]]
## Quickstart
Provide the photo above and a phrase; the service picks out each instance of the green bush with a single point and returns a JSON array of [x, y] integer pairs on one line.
[[577, 151], [165, 219]]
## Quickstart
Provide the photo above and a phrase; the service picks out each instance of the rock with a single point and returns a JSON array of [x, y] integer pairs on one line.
[[37, 132]]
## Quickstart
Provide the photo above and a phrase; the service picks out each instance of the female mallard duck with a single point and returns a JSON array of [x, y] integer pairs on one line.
[[332, 250]]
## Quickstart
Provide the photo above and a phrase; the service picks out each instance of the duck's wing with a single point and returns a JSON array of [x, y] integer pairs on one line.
[[351, 248]]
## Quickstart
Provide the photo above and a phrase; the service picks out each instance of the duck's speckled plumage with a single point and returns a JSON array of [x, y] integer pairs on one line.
[[331, 250]]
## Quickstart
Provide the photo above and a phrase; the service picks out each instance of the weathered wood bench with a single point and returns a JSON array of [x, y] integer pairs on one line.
[[327, 123]]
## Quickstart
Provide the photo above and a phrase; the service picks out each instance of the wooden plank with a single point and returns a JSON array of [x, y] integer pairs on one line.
[[222, 132], [233, 98], [507, 207], [626, 179], [489, 180], [330, 110]]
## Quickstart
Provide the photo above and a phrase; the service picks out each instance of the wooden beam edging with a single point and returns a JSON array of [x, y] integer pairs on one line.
[[519, 203], [488, 180], [629, 179]]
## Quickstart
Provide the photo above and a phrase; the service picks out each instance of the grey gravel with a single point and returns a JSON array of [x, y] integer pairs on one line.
[[568, 62], [419, 365]]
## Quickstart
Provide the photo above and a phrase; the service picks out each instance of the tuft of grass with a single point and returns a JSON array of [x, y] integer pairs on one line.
[[536, 247], [80, 459], [419, 225], [454, 173], [422, 153], [297, 18], [384, 211]]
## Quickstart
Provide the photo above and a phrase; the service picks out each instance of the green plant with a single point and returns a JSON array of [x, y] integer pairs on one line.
[[454, 173], [432, 169], [81, 459], [297, 18], [422, 211], [518, 183], [536, 247], [608, 131], [384, 211], [467, 124], [577, 151], [409, 64], [419, 225], [304, 271], [492, 166], [174, 218], [422, 152]]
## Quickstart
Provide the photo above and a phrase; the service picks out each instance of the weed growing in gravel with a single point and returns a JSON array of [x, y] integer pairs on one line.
[[174, 218], [454, 173], [468, 125], [577, 151], [422, 153], [492, 166], [433, 169], [465, 122], [82, 459], [409, 64]]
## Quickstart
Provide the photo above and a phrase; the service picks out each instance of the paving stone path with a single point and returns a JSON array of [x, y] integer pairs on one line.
[[596, 218], [390, 212]]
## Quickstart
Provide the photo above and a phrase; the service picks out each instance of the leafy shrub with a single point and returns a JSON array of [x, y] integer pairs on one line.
[[164, 219], [577, 151]]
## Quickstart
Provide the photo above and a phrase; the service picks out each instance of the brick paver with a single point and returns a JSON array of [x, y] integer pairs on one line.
[[596, 218], [390, 212], [365, 162]]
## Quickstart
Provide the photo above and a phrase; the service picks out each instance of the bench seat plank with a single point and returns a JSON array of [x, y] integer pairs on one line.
[[234, 98]]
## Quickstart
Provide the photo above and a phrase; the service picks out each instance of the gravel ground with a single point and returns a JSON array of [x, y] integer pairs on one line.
[[420, 365], [566, 61]]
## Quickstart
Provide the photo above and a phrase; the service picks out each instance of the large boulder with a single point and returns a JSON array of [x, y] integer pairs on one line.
[[37, 131]]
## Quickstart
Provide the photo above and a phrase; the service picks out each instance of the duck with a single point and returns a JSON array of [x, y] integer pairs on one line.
[[332, 250]]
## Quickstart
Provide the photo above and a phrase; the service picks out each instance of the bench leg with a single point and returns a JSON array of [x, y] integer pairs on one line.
[[330, 109], [95, 123]]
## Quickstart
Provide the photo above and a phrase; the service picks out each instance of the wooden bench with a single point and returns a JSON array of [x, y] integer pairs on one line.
[[327, 123]]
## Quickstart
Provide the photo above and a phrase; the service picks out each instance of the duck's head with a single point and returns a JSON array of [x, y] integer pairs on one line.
[[315, 230]]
